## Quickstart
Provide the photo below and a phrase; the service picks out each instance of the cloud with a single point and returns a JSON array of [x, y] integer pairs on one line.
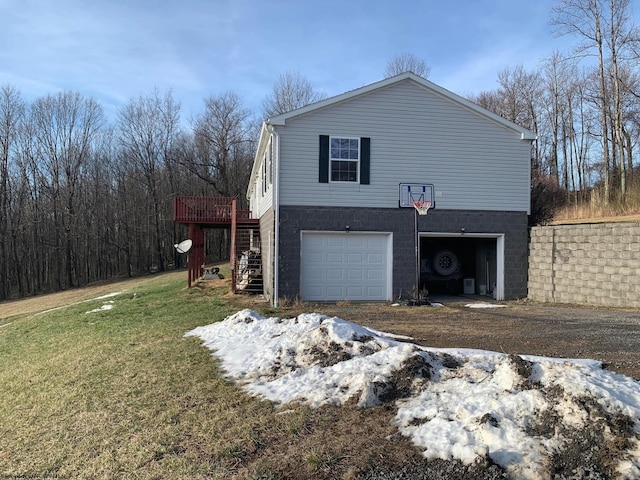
[[114, 50]]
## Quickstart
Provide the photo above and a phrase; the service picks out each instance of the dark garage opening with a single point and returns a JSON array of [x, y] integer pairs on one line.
[[458, 264]]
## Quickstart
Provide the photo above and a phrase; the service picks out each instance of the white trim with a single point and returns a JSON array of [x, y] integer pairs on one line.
[[499, 252], [275, 203], [500, 267], [257, 159], [331, 159]]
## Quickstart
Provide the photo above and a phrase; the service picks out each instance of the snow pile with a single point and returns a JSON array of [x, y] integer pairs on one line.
[[533, 416]]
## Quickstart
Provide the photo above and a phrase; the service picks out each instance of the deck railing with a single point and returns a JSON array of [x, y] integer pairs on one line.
[[206, 210], [220, 212]]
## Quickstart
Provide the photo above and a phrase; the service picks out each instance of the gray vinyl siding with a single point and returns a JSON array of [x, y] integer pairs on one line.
[[417, 136]]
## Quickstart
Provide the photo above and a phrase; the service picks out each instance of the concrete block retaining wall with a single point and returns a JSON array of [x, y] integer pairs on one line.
[[592, 264]]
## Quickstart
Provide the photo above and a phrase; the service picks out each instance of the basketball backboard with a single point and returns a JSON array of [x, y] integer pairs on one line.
[[411, 192]]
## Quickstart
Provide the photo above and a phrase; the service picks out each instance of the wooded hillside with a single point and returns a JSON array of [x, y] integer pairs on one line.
[[82, 199], [85, 199], [584, 105]]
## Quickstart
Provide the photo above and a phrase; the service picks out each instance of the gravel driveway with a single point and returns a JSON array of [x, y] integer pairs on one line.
[[611, 336]]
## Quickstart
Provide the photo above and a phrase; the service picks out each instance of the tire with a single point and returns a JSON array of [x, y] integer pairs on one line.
[[445, 262]]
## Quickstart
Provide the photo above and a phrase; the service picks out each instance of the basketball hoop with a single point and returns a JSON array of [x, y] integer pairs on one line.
[[422, 206]]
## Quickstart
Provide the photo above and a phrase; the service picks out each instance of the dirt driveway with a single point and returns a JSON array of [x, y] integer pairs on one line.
[[608, 335], [43, 303]]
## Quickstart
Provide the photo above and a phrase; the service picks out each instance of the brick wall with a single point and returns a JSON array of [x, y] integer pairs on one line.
[[594, 264]]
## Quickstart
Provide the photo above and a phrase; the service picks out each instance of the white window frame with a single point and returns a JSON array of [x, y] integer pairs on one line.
[[264, 174], [332, 159], [270, 158]]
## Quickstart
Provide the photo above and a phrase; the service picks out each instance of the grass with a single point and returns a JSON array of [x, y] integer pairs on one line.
[[596, 213], [595, 210], [121, 394]]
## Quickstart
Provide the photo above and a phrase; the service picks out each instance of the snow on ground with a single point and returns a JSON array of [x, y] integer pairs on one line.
[[520, 412], [484, 305], [102, 297], [108, 295], [105, 306]]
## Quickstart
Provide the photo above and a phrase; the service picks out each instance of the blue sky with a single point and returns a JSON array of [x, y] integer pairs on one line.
[[114, 50]]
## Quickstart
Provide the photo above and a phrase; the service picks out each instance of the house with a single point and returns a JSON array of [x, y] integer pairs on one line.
[[332, 185]]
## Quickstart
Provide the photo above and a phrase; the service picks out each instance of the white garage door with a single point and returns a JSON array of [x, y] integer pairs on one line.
[[345, 266]]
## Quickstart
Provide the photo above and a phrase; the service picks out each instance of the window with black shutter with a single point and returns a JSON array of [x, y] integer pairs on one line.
[[344, 159]]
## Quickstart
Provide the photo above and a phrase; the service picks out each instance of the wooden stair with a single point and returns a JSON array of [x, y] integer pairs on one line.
[[200, 213], [247, 271]]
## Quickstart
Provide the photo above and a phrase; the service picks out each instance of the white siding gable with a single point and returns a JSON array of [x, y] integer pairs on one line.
[[417, 136], [260, 191]]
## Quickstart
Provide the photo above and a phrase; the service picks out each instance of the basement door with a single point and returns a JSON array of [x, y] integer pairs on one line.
[[338, 266]]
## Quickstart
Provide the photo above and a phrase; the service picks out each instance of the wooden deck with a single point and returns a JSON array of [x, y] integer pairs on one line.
[[200, 213], [209, 211]]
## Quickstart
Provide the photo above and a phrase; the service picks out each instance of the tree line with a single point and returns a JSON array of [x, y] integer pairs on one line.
[[83, 200], [584, 106]]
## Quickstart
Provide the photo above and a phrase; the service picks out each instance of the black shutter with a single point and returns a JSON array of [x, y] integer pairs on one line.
[[323, 164], [365, 160]]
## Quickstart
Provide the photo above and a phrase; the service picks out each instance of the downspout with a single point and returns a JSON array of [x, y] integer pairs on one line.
[[276, 213]]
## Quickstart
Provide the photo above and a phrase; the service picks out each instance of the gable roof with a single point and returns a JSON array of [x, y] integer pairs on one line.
[[280, 120]]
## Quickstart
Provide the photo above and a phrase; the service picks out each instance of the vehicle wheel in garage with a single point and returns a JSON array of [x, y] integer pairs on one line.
[[445, 262]]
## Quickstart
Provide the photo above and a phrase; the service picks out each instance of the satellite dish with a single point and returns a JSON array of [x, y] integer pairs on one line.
[[183, 246]]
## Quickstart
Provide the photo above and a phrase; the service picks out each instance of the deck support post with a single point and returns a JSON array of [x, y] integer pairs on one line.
[[195, 259], [233, 253]]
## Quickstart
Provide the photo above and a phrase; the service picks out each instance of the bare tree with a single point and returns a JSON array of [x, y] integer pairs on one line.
[[99, 258], [556, 105], [581, 119], [11, 112], [518, 100], [406, 62], [29, 218], [604, 26], [80, 202], [520, 91], [630, 84], [224, 138], [622, 38], [489, 100], [290, 91], [148, 127], [66, 125], [584, 17]]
